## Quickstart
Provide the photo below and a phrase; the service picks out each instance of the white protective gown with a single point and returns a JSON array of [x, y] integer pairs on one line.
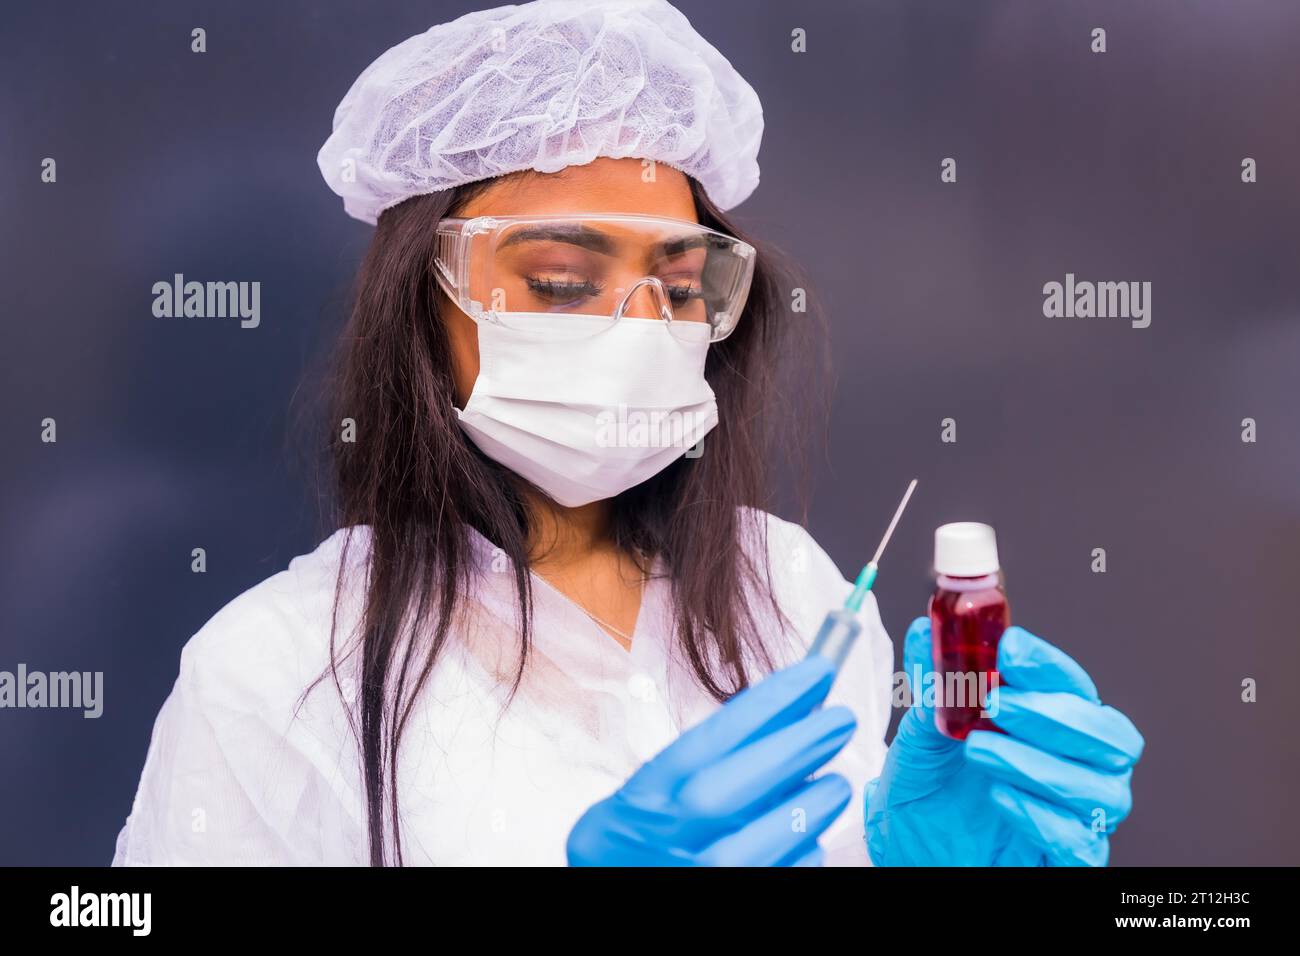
[[234, 777]]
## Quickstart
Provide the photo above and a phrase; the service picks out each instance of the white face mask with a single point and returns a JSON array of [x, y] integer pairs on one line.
[[585, 418]]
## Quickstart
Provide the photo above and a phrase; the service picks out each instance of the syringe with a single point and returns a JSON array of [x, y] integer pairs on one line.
[[841, 627]]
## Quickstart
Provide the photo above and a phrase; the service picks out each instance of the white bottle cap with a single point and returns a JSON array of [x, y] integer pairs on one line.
[[966, 549]]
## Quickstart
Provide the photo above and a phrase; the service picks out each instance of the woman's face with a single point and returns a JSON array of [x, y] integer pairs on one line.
[[602, 186]]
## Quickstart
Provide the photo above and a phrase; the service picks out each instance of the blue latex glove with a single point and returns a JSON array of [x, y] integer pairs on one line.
[[1047, 793], [733, 790]]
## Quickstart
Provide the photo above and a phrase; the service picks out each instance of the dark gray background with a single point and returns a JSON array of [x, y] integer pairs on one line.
[[1072, 434]]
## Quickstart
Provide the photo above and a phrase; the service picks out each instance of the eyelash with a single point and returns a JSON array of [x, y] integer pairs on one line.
[[588, 289], [571, 290]]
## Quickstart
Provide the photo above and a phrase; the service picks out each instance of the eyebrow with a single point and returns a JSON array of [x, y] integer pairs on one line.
[[576, 235], [597, 241], [680, 244]]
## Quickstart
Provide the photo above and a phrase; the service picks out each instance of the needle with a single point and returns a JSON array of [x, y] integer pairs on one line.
[[867, 577]]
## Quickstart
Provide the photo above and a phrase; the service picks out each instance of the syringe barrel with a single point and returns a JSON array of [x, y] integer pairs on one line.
[[835, 638]]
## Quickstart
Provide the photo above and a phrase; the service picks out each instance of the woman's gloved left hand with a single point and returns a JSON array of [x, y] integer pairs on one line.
[[1048, 792]]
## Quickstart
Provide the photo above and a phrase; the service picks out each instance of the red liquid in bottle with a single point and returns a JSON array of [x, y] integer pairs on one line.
[[967, 618]]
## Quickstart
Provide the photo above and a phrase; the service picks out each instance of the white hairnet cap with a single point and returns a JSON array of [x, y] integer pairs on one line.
[[542, 86]]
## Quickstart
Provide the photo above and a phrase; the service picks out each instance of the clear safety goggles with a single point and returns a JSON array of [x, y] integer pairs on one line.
[[507, 268]]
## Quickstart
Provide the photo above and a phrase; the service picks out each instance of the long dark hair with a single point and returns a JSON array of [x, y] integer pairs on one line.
[[414, 481]]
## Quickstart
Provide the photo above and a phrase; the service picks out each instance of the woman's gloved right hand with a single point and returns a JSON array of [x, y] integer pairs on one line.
[[733, 790]]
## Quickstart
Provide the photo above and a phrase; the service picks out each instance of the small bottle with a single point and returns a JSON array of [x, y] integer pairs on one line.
[[968, 613]]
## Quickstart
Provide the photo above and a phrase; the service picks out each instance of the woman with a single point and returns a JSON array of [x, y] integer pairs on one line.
[[553, 564]]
